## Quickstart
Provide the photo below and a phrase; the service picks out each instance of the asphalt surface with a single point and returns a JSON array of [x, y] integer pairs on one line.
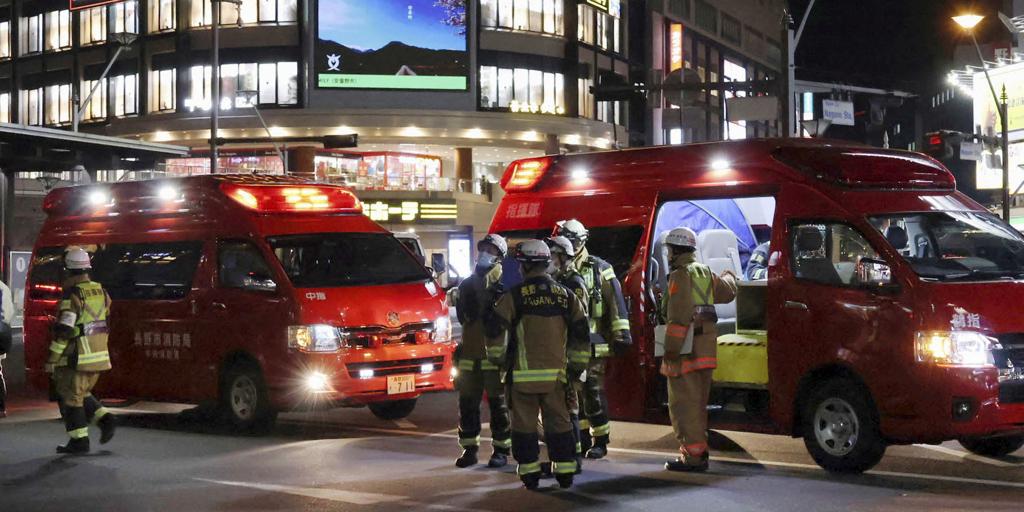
[[346, 459]]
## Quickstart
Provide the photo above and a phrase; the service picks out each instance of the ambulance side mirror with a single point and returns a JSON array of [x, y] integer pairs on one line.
[[876, 275]]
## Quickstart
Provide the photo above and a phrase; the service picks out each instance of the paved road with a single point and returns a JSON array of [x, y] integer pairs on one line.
[[348, 460]]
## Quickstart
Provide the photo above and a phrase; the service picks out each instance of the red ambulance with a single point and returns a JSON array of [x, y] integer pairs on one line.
[[258, 293], [891, 311]]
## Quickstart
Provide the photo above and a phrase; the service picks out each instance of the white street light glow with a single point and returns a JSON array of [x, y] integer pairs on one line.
[[719, 164], [968, 21]]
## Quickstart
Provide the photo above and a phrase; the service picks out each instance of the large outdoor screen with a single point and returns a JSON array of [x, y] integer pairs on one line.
[[392, 44]]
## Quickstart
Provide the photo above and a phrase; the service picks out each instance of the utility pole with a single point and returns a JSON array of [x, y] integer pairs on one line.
[[789, 125]]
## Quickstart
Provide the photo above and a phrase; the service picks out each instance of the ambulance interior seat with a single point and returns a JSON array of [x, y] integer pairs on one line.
[[897, 236], [718, 249], [814, 267], [659, 257]]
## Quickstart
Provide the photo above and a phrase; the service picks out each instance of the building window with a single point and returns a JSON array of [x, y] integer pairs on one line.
[[124, 91], [92, 25], [249, 11], [733, 72], [607, 111], [542, 16], [58, 31], [731, 29], [96, 109], [46, 105], [680, 8], [586, 106], [275, 83], [161, 90], [5, 40], [522, 90], [30, 35], [600, 29], [161, 15], [5, 107], [123, 17], [706, 16]]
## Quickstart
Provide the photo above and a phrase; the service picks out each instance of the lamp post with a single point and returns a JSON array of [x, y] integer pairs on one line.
[[215, 78], [249, 98], [123, 40], [968, 22]]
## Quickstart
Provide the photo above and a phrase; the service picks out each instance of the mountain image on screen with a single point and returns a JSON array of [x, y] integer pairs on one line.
[[395, 58]]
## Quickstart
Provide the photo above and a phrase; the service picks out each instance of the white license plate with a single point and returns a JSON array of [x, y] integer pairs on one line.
[[398, 384]]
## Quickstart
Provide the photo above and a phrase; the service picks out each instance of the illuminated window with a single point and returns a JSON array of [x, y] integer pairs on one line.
[[734, 72], [92, 25], [58, 30], [162, 90], [161, 15], [276, 83], [49, 105], [599, 28], [522, 90], [123, 17], [542, 16], [96, 109], [30, 36], [5, 40], [586, 106], [5, 107], [607, 111], [124, 93], [250, 12]]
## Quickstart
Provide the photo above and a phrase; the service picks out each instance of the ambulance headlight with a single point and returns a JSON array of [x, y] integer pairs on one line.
[[955, 348], [442, 329], [316, 381], [316, 338]]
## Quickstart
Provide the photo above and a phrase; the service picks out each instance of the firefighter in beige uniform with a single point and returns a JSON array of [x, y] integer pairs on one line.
[[548, 344], [78, 353], [693, 291]]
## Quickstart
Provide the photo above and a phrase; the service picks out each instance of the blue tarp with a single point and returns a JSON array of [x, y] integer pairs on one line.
[[705, 214]]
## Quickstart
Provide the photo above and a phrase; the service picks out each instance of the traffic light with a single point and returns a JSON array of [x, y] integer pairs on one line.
[[614, 87], [941, 145]]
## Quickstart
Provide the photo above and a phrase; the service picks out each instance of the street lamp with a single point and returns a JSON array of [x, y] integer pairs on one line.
[[968, 22], [250, 98], [123, 40], [215, 77]]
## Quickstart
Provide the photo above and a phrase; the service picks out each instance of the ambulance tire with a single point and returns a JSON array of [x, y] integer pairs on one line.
[[395, 410], [840, 428], [993, 446], [244, 401]]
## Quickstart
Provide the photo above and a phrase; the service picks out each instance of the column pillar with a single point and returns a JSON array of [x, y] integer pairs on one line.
[[464, 164], [551, 146]]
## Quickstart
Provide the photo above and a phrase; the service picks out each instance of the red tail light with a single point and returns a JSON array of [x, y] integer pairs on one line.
[[524, 174], [293, 198]]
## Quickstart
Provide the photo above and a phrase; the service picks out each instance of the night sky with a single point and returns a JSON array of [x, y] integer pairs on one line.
[[905, 44]]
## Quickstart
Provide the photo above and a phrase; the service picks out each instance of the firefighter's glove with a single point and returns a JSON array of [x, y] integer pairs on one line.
[[671, 367]]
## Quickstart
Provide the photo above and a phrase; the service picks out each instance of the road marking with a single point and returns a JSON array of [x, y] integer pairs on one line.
[[404, 424], [338, 495], [750, 462], [969, 456], [354, 498]]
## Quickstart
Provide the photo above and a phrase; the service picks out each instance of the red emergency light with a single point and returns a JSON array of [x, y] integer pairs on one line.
[[293, 198], [524, 174]]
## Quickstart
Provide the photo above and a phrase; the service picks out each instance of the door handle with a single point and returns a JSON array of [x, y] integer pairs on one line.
[[220, 306], [792, 304]]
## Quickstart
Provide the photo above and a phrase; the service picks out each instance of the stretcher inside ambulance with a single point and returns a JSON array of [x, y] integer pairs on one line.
[[885, 312]]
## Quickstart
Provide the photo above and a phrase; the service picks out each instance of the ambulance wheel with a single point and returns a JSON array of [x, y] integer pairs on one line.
[[993, 446], [245, 402], [395, 410], [840, 428]]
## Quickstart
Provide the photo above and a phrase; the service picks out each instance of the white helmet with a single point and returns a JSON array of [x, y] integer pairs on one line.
[[497, 241], [574, 230], [533, 251], [75, 258], [561, 244], [682, 237]]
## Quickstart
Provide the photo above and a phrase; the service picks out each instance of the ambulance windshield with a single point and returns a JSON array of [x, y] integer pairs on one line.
[[955, 245], [346, 259]]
